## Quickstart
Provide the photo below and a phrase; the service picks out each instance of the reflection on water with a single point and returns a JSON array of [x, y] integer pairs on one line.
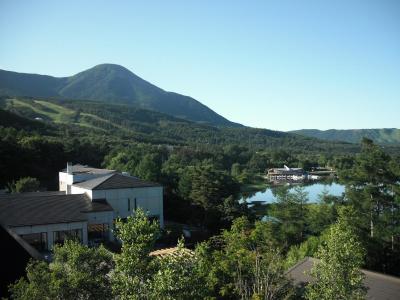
[[313, 190]]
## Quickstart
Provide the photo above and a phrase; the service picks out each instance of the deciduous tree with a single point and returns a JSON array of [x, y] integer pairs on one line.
[[76, 272], [133, 273], [337, 274]]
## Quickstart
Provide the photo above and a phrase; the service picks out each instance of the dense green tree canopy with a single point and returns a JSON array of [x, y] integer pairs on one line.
[[25, 184], [76, 272], [337, 274]]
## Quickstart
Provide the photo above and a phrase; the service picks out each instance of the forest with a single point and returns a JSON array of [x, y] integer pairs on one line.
[[204, 170]]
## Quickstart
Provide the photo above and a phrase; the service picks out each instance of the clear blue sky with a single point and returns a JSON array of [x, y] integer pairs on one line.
[[272, 64]]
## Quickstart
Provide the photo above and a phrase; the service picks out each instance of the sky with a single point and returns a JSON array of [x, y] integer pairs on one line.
[[281, 64]]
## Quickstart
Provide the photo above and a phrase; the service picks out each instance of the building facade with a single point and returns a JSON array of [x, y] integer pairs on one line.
[[86, 206], [286, 173]]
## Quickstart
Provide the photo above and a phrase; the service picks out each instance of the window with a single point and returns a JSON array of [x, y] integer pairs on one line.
[[134, 203], [36, 240], [61, 236], [129, 204], [98, 232]]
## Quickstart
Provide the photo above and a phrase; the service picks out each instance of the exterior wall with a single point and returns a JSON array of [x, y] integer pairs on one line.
[[286, 174], [62, 181], [103, 217], [51, 228], [149, 199], [100, 217], [79, 190], [65, 179]]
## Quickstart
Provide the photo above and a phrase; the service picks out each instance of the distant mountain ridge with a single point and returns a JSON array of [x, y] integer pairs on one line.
[[383, 136], [112, 84]]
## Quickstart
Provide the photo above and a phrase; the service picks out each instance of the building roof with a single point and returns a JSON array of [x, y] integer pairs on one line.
[[79, 169], [288, 171], [380, 286], [114, 181], [27, 209]]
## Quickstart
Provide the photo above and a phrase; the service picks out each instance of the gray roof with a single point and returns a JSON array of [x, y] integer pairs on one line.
[[47, 208], [114, 181], [380, 286], [78, 169]]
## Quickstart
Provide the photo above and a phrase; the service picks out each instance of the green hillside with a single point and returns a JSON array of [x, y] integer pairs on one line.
[[9, 119], [133, 124], [384, 136], [112, 84]]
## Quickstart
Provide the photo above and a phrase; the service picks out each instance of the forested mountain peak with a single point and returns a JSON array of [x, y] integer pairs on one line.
[[110, 83]]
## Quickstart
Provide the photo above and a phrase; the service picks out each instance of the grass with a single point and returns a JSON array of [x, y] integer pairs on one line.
[[22, 104], [59, 114], [60, 109], [64, 113], [106, 121], [54, 112]]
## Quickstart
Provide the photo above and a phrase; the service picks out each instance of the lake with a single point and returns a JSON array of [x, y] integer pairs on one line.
[[313, 190]]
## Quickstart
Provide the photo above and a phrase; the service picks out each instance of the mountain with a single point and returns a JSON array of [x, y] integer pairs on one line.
[[384, 136], [121, 123], [112, 84]]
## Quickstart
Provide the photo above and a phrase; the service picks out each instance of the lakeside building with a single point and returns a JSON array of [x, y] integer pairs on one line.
[[85, 207], [286, 173]]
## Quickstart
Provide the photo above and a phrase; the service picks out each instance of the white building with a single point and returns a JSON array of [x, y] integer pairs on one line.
[[78, 173], [286, 173], [85, 208]]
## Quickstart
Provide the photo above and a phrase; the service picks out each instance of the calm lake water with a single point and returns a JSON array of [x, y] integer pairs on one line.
[[313, 190]]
